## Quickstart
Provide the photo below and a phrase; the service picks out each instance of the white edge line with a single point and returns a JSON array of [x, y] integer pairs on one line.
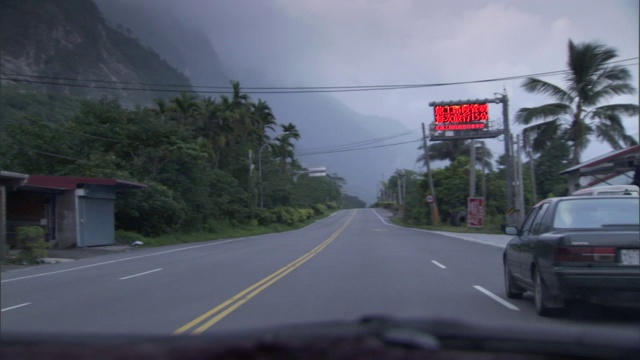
[[15, 307], [496, 298], [438, 264], [440, 233], [144, 273], [120, 260], [134, 257]]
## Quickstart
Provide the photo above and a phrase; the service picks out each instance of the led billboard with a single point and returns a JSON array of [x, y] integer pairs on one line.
[[461, 117]]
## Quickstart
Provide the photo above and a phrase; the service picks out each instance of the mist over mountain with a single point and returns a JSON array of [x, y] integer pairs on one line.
[[182, 44], [332, 130], [325, 123], [60, 45]]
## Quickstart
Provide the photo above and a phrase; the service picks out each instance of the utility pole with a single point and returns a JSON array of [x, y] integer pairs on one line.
[[434, 204], [521, 205], [472, 169], [514, 177], [529, 149], [517, 175], [504, 99], [404, 187], [484, 179], [398, 174]]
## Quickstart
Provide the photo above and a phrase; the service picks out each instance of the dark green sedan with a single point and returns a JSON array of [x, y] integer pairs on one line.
[[576, 248]]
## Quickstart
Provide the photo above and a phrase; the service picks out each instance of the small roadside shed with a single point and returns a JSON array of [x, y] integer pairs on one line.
[[74, 211], [8, 180]]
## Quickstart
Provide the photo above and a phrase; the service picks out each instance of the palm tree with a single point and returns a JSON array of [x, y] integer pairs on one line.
[[591, 80], [236, 114], [262, 120], [284, 147], [208, 126], [185, 108]]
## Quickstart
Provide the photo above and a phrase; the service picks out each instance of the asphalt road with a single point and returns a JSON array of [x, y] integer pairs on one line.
[[346, 266]]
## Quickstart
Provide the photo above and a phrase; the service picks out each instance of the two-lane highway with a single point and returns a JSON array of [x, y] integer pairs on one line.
[[343, 267]]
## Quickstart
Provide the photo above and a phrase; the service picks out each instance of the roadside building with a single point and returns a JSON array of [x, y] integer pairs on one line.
[[619, 167], [73, 211]]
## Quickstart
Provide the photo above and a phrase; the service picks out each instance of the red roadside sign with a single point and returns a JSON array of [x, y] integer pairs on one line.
[[475, 212]]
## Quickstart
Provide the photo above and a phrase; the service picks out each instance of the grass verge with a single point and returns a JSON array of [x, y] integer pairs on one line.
[[226, 231], [490, 229]]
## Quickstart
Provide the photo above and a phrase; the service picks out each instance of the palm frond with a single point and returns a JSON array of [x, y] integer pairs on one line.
[[534, 85], [587, 62], [622, 109], [543, 135], [615, 73], [610, 135], [607, 91], [629, 140], [548, 111], [610, 128]]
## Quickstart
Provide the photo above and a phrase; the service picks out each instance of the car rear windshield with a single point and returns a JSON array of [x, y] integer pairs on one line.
[[597, 213]]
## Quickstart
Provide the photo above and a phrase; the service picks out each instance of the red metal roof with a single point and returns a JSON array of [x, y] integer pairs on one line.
[[72, 182], [604, 158]]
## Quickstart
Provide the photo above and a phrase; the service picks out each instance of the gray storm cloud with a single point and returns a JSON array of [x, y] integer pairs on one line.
[[359, 42]]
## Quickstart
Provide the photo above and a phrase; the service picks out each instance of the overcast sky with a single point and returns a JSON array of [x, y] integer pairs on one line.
[[375, 42]]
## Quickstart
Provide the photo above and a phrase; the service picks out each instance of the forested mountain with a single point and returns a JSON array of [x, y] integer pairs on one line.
[[208, 161], [55, 42], [324, 122], [67, 42]]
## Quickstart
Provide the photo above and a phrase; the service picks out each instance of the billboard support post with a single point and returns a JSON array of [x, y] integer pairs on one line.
[[468, 120], [435, 215]]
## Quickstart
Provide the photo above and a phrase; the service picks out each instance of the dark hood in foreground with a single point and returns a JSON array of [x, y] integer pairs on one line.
[[371, 337]]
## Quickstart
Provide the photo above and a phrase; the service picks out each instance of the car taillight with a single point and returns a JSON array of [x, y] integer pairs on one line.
[[585, 254]]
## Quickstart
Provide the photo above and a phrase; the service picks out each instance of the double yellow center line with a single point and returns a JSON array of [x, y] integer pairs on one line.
[[213, 316]]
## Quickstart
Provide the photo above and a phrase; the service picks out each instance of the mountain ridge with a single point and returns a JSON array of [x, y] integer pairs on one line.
[[323, 120], [60, 44]]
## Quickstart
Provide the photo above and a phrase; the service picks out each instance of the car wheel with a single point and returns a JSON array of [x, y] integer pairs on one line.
[[540, 294], [512, 290]]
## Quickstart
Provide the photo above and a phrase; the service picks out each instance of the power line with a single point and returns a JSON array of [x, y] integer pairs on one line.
[[356, 149], [94, 136], [18, 77], [357, 143], [28, 148]]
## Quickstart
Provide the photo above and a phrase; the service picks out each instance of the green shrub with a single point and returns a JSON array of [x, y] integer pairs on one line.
[[332, 205], [32, 244], [319, 209], [152, 211], [307, 213], [265, 217], [289, 215]]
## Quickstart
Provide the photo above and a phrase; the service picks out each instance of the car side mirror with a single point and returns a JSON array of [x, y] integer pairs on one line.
[[511, 230]]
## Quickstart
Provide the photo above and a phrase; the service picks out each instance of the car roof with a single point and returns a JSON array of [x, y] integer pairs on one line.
[[607, 188], [582, 197]]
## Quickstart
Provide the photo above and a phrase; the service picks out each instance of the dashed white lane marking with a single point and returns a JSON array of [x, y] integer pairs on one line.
[[140, 256], [438, 264], [14, 307], [144, 273], [496, 298]]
